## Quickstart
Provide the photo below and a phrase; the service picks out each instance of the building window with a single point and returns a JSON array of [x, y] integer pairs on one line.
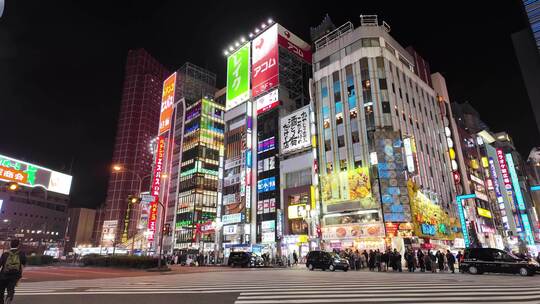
[[341, 141], [386, 107], [343, 164]]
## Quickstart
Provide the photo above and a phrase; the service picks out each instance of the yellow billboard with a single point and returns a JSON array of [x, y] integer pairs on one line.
[[350, 185]]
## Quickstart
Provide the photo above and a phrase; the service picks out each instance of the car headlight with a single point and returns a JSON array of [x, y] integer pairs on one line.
[[535, 263]]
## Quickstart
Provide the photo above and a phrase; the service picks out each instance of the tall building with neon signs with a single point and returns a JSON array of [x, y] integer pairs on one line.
[[267, 125]]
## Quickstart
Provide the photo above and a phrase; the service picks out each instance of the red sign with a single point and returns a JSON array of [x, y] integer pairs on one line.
[[264, 69], [391, 228], [504, 169], [294, 44], [156, 186], [167, 103], [14, 175]]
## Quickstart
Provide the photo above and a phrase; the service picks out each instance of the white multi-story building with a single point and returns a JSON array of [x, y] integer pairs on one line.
[[380, 130]]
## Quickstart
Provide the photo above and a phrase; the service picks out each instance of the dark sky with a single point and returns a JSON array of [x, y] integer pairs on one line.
[[61, 64]]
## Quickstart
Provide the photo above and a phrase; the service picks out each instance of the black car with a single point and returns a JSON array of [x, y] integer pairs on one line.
[[326, 260], [480, 260], [245, 259]]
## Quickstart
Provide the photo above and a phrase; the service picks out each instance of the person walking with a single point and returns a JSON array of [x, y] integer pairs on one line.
[[440, 260], [451, 261], [12, 263], [433, 260], [378, 260], [384, 261], [459, 258], [421, 263], [409, 257], [295, 258]]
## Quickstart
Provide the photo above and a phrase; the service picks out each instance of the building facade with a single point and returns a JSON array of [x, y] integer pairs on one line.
[[383, 156], [80, 225], [137, 122], [267, 82]]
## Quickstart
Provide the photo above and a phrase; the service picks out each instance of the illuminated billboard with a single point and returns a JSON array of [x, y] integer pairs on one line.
[[156, 186], [267, 101], [167, 103], [238, 77], [294, 44], [348, 186], [30, 175], [264, 70], [295, 131]]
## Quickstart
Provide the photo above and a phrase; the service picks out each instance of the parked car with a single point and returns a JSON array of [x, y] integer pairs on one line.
[[245, 259], [480, 260], [326, 260]]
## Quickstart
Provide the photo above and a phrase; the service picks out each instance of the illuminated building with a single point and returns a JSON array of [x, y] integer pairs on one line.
[[267, 82], [137, 122], [36, 212], [380, 130], [190, 188]]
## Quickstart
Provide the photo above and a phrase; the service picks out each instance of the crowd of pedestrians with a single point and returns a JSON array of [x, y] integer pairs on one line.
[[391, 260]]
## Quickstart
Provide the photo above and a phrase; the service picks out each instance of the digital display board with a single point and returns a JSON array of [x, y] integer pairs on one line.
[[30, 175]]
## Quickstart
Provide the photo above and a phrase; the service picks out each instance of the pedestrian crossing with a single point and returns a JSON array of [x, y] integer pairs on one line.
[[285, 286]]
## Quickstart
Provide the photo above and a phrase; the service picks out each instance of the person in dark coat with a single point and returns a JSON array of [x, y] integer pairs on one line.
[[371, 261], [421, 263], [451, 260], [409, 257], [433, 260], [397, 260]]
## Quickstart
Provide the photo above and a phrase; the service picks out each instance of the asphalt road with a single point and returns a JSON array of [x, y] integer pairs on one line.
[[265, 286]]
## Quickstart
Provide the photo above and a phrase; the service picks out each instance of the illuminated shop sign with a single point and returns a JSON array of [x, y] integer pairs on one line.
[[484, 212], [167, 104], [351, 231], [528, 230], [232, 218], [268, 231], [294, 44], [428, 229], [108, 232], [266, 145], [238, 77], [297, 211], [504, 170], [295, 131], [266, 184], [515, 182], [230, 229], [30, 175], [461, 214], [267, 101], [266, 206], [266, 164], [410, 151], [156, 186]]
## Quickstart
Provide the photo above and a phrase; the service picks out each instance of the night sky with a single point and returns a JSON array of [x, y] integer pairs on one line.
[[62, 63]]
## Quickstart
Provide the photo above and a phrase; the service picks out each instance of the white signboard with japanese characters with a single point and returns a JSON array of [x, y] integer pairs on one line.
[[295, 131]]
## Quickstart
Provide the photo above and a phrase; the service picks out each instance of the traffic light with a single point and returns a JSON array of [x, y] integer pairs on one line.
[[13, 186], [132, 199], [167, 229]]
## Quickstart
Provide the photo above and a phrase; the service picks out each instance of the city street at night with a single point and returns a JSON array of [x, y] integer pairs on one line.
[[297, 285], [266, 152]]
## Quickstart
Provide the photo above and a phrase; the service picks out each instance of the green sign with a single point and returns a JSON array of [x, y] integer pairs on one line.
[[238, 77]]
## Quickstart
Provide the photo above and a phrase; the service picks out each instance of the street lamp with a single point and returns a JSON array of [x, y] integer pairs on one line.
[[13, 186]]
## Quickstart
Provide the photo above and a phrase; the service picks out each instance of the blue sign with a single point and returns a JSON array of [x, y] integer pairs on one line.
[[461, 214], [515, 182], [528, 230], [428, 229], [535, 188], [266, 184]]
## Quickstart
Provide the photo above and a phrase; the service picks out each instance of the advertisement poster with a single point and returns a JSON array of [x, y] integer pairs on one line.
[[352, 185], [295, 131], [108, 234], [294, 44], [238, 77], [265, 69], [167, 104], [156, 186], [267, 101], [352, 231]]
